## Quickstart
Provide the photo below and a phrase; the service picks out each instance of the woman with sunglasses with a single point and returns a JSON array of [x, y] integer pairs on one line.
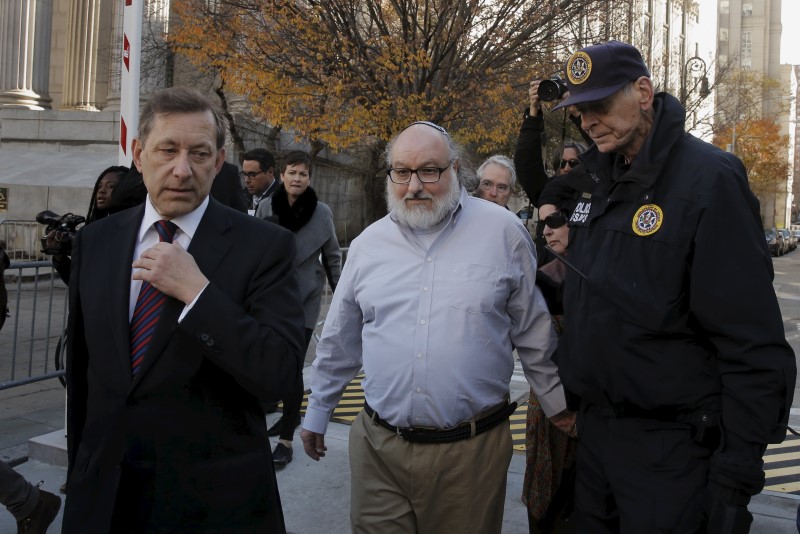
[[548, 486]]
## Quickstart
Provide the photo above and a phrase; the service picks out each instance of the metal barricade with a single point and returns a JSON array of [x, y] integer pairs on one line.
[[22, 239], [30, 340]]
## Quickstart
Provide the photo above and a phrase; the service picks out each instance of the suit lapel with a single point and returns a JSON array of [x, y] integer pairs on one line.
[[208, 247]]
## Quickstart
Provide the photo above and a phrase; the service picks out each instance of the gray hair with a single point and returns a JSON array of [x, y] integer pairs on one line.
[[180, 100], [502, 161]]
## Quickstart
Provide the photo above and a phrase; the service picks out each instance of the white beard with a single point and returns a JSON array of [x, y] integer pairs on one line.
[[419, 217]]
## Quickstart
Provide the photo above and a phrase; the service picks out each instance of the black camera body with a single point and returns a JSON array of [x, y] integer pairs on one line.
[[552, 89], [61, 228]]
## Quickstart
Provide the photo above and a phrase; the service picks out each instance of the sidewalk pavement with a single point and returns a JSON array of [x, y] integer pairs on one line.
[[316, 495]]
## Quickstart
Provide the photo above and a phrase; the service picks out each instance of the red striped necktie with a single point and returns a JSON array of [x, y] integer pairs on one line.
[[148, 306]]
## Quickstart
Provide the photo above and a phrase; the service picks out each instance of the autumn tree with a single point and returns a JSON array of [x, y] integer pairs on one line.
[[351, 73], [759, 144], [749, 105]]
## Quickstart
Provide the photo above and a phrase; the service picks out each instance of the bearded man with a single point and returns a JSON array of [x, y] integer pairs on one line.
[[432, 300]]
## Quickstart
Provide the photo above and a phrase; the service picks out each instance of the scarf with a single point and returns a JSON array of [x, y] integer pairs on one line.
[[298, 214]]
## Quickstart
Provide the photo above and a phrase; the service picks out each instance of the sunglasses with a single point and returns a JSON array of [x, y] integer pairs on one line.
[[555, 220], [571, 162]]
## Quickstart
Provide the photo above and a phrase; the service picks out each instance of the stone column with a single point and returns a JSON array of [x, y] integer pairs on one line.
[[115, 59], [80, 69], [25, 27]]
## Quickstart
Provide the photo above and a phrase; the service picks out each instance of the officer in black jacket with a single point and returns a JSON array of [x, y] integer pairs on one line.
[[674, 340]]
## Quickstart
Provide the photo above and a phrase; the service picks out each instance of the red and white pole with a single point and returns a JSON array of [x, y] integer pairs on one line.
[[129, 83]]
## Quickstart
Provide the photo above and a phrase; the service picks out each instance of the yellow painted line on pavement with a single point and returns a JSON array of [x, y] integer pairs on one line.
[[782, 472], [518, 427], [790, 487], [782, 457]]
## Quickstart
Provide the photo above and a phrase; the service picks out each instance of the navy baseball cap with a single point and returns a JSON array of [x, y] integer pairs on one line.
[[598, 71]]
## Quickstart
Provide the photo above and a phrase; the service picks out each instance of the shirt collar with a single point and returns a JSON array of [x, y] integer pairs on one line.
[[268, 191], [187, 223]]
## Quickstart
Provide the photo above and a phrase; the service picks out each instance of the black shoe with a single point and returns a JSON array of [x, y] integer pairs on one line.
[[282, 454], [275, 430], [46, 510]]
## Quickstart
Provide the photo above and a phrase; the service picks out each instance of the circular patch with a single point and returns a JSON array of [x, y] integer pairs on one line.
[[579, 67], [647, 220]]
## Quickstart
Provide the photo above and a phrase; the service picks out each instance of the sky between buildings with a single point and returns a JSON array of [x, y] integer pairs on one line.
[[790, 38]]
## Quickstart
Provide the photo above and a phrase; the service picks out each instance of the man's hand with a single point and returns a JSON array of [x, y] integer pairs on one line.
[[313, 444], [533, 95], [565, 422], [171, 270]]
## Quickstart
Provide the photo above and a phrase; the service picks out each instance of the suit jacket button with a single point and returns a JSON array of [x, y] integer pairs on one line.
[[204, 337], [210, 343]]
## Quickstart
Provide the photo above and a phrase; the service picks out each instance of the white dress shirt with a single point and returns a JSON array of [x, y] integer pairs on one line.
[[148, 237]]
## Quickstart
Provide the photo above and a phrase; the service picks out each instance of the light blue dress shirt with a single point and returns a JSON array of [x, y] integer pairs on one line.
[[434, 328]]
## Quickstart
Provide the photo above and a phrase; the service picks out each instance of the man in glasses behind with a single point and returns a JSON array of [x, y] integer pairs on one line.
[[258, 175], [496, 180]]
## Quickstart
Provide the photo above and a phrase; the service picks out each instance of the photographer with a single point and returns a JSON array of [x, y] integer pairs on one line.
[[528, 159], [58, 240]]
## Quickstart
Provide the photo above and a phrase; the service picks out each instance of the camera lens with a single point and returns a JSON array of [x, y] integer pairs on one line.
[[549, 90]]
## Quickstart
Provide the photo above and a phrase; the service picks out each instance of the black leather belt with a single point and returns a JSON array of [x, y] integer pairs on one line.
[[493, 417]]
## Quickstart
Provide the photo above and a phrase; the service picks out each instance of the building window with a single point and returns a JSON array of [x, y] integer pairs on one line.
[[747, 10], [724, 7], [747, 63], [723, 34], [747, 45]]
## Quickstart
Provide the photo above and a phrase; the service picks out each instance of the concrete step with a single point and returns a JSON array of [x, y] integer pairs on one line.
[[49, 448]]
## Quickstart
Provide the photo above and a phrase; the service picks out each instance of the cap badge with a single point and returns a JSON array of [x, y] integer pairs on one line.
[[647, 220], [579, 67]]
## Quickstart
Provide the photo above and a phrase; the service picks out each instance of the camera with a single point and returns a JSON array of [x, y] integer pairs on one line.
[[60, 228], [552, 89]]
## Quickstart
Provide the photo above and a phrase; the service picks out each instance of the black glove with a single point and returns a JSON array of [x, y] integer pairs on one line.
[[726, 511]]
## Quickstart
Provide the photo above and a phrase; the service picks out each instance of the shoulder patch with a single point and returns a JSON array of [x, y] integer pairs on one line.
[[647, 220]]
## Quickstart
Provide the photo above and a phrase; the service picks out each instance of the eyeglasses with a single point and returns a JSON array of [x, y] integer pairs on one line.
[[249, 175], [426, 175], [555, 220], [571, 162], [486, 185]]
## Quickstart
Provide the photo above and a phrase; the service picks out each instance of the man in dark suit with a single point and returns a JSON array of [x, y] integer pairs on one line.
[[227, 188], [165, 429]]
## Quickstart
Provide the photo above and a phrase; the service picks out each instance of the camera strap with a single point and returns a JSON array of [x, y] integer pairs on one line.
[[564, 127]]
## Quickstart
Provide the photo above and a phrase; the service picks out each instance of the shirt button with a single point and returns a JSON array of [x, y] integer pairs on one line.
[[419, 355], [429, 258], [419, 390], [422, 321], [425, 288]]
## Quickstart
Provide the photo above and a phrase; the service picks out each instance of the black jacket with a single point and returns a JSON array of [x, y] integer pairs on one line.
[[676, 313]]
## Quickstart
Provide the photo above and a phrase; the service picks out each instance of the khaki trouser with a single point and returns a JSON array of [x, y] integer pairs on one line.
[[427, 488]]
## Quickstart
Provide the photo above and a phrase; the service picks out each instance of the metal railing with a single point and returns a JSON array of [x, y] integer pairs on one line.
[[22, 239], [29, 341]]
